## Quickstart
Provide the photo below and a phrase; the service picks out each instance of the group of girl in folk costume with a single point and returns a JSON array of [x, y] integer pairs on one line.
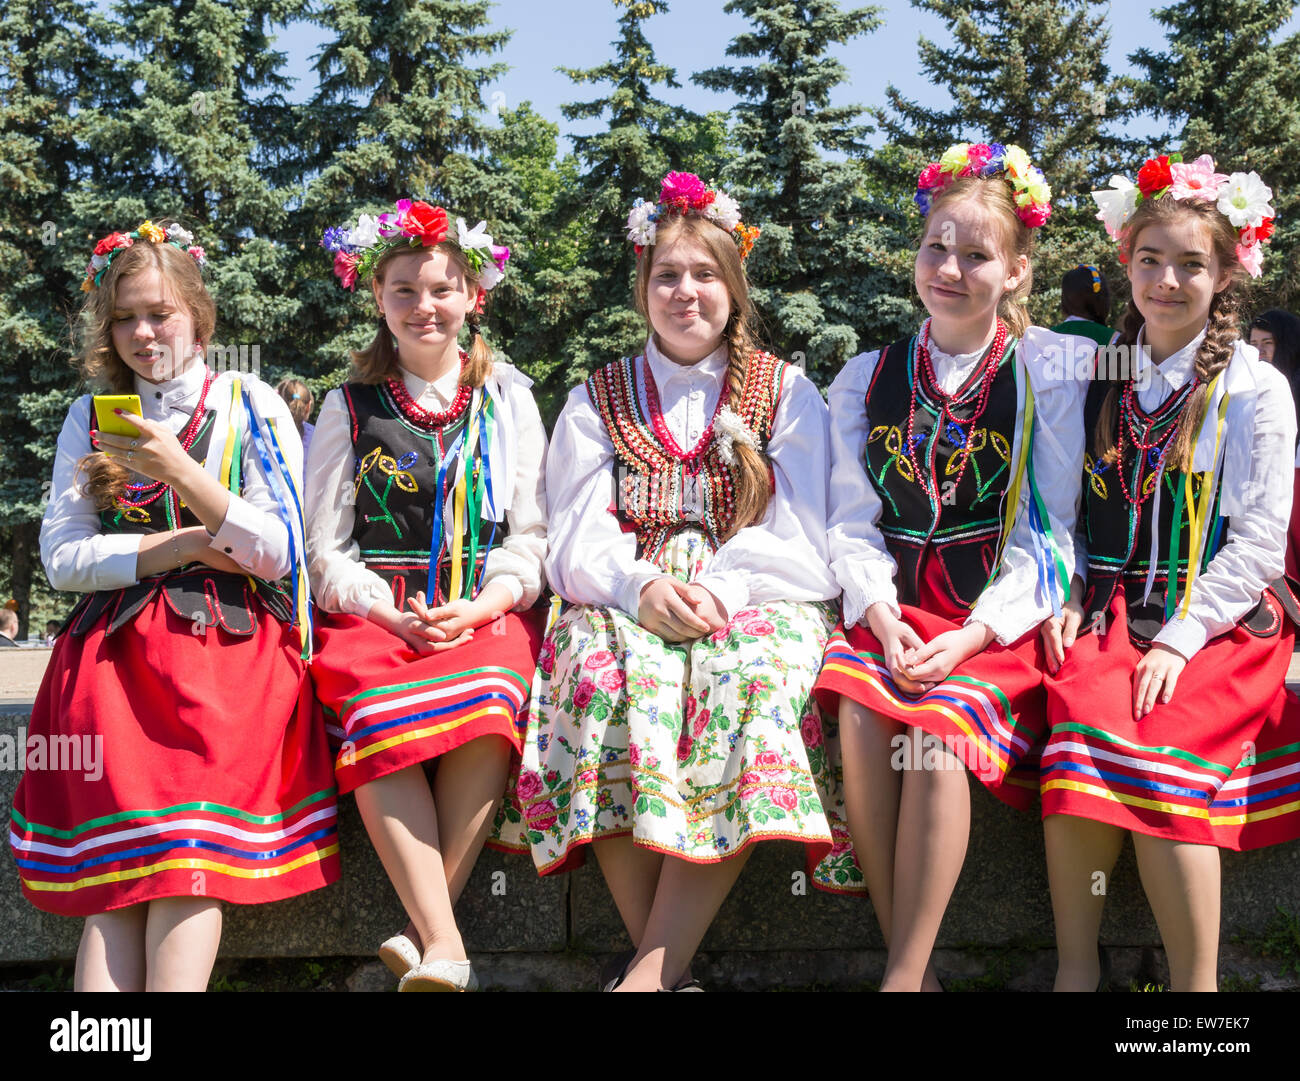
[[1060, 585]]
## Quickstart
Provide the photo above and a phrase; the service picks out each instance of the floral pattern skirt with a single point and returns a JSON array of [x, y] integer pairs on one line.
[[694, 749]]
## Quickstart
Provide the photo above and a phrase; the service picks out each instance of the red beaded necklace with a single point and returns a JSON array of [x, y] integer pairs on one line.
[[1128, 434], [187, 438], [426, 418], [925, 367], [692, 459]]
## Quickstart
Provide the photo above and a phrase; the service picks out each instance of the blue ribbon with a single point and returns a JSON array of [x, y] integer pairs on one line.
[[276, 480]]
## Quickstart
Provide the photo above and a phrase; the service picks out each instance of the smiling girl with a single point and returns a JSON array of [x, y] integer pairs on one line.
[[181, 665], [427, 522], [672, 724], [1169, 716], [952, 510]]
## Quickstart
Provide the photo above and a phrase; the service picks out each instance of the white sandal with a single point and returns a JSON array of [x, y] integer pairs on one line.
[[440, 975], [399, 954]]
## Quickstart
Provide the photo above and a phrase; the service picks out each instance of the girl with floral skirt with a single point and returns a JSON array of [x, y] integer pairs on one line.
[[952, 511], [426, 534], [1169, 715], [204, 773], [672, 723]]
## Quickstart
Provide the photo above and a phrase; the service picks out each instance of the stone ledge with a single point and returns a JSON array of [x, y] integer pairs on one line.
[[1001, 901]]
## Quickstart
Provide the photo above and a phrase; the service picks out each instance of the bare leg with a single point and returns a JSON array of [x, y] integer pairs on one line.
[[402, 821], [181, 940], [686, 901], [933, 831], [467, 789], [1182, 885], [1081, 855], [632, 875], [111, 954]]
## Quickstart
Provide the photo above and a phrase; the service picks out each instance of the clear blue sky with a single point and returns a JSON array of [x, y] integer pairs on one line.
[[693, 35]]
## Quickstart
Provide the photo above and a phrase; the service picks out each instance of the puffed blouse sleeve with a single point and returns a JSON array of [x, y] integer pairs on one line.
[[590, 559], [76, 554], [1015, 602], [784, 556], [1253, 554], [340, 582], [859, 558]]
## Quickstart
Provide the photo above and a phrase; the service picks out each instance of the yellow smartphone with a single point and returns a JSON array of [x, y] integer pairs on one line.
[[107, 421]]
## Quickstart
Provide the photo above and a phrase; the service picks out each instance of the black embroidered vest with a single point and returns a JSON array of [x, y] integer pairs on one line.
[[206, 597], [958, 519], [1119, 534], [395, 490]]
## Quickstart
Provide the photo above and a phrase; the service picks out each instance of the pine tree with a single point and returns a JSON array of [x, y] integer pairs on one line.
[[644, 138], [51, 68], [1031, 74], [1229, 88], [817, 272], [398, 112]]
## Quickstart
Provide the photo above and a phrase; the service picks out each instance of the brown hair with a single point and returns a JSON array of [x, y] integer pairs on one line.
[[994, 195], [753, 478], [101, 366], [298, 397], [1220, 334], [377, 362]]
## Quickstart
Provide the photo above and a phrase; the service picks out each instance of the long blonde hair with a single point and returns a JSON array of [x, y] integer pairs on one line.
[[377, 362], [752, 483]]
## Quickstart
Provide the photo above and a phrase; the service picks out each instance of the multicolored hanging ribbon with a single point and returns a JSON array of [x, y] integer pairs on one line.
[[280, 480], [472, 497]]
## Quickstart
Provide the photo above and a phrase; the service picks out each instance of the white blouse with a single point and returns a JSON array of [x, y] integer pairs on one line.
[[340, 581], [77, 556], [1256, 488], [781, 557], [1013, 602]]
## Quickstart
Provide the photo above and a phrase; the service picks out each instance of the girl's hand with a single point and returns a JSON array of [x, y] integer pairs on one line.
[[155, 452], [1155, 676], [934, 662], [706, 606], [407, 626], [668, 609], [1059, 634], [896, 638]]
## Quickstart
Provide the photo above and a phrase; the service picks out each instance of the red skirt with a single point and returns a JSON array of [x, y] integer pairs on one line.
[[989, 711], [161, 763], [390, 707], [1218, 765]]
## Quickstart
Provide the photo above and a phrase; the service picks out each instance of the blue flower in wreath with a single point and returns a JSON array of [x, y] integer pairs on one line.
[[581, 818], [543, 739], [611, 756]]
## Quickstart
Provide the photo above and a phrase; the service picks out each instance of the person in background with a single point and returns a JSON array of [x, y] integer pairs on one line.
[[8, 627], [1085, 299], [1276, 334], [51, 631], [298, 397]]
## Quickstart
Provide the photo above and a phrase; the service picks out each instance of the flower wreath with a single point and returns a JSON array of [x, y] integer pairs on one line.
[[108, 247], [414, 224], [686, 193], [1243, 198], [1029, 189]]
